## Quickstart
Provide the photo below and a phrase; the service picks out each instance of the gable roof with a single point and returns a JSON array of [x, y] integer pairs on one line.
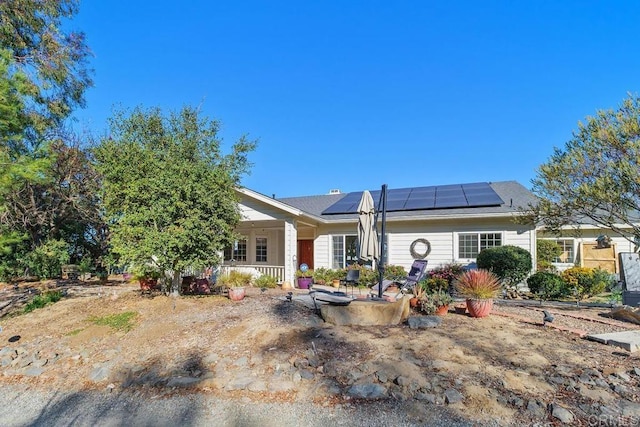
[[514, 195]]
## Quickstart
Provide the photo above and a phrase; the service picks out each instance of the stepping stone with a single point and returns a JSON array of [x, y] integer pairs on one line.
[[629, 340]]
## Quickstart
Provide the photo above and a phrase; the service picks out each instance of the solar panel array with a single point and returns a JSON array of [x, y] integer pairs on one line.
[[422, 198]]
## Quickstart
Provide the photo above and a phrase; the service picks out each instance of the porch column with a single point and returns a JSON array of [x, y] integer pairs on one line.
[[290, 250]]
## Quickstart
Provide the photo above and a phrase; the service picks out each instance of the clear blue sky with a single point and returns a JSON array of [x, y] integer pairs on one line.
[[425, 92]]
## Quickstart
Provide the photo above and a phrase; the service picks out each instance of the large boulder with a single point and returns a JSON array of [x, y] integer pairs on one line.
[[367, 312]]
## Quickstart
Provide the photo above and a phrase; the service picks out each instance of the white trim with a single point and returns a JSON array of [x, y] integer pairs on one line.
[[456, 243], [270, 201]]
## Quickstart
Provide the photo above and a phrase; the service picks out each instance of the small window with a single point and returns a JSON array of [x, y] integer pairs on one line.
[[261, 249], [470, 244], [237, 251], [566, 256]]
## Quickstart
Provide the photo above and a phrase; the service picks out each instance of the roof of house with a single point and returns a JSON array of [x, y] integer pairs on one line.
[[514, 195]]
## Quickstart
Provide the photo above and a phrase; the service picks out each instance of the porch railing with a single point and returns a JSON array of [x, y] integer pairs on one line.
[[276, 271]]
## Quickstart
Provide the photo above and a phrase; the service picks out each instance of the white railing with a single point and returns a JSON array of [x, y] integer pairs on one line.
[[276, 271]]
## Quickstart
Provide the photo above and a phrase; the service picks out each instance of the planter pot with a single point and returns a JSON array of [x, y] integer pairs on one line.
[[236, 294], [479, 307], [148, 284], [442, 310], [413, 302], [304, 282], [335, 283]]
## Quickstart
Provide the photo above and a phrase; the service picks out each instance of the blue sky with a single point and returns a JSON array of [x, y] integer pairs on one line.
[[425, 92]]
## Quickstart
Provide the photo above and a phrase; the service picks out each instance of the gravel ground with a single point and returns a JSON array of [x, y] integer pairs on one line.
[[22, 406], [567, 316]]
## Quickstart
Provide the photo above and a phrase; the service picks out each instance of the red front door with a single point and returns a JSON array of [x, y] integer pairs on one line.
[[305, 252]]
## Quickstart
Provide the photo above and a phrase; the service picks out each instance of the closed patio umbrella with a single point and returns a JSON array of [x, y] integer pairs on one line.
[[368, 247]]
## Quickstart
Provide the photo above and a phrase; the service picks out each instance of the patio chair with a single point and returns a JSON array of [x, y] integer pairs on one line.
[[352, 279], [416, 273]]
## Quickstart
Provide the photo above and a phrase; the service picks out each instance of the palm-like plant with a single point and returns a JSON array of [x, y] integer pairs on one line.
[[478, 284]]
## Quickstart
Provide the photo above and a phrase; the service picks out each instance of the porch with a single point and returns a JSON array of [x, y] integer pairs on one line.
[[276, 271]]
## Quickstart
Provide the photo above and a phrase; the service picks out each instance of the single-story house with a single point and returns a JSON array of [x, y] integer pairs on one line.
[[444, 224]]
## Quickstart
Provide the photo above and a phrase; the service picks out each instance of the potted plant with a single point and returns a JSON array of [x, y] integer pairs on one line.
[[479, 287], [236, 283], [419, 293], [147, 276], [441, 300], [305, 278]]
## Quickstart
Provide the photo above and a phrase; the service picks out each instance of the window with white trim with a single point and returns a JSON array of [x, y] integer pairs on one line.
[[470, 244], [237, 251], [344, 251], [567, 254], [261, 249]]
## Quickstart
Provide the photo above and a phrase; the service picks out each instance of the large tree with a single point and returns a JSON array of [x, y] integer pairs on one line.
[[50, 62], [596, 177], [168, 189], [45, 178]]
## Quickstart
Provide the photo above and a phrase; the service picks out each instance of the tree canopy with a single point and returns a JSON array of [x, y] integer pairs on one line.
[[168, 189], [596, 177]]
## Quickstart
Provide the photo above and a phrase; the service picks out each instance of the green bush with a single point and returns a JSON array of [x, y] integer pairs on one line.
[[546, 252], [448, 272], [42, 300], [323, 276], [46, 260], [586, 282], [395, 272], [511, 264], [435, 284], [235, 279], [13, 252], [266, 281], [546, 285]]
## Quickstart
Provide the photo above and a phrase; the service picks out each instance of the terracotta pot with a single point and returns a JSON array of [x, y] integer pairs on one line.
[[335, 283], [413, 302], [148, 284], [479, 307], [442, 310], [236, 294]]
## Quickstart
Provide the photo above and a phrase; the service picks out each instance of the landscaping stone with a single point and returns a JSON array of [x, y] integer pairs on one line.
[[279, 384], [402, 381], [586, 379], [239, 383], [630, 409], [33, 371], [367, 391], [367, 313], [424, 322], [536, 409], [453, 396], [306, 374], [99, 373], [257, 386], [427, 397], [562, 414]]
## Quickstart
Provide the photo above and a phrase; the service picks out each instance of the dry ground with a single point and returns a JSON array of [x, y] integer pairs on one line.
[[498, 364]]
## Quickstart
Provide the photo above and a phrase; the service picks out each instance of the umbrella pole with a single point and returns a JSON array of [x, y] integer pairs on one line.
[[382, 261]]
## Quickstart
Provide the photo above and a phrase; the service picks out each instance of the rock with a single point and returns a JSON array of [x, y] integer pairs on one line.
[[602, 383], [367, 313], [306, 374], [623, 376], [424, 322], [564, 415], [210, 358], [182, 381], [586, 379], [8, 351], [39, 363], [278, 384], [536, 409], [453, 396], [5, 361], [301, 363], [367, 391], [630, 409], [239, 383], [243, 361], [516, 401], [100, 373], [557, 380], [402, 381], [297, 377], [382, 376], [427, 397], [636, 371], [33, 371]]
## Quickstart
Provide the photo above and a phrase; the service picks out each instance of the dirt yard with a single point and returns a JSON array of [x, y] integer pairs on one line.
[[268, 349]]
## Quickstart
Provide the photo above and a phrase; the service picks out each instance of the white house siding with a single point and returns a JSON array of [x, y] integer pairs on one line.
[[441, 234], [588, 236], [253, 210]]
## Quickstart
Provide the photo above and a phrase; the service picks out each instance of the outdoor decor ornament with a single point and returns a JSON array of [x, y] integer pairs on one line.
[[603, 241], [417, 255]]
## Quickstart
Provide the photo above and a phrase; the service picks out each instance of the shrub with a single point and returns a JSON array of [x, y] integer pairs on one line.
[[235, 279], [547, 251], [510, 263], [546, 285], [46, 260], [448, 272], [478, 284], [322, 275], [586, 282], [42, 300], [395, 272], [266, 281], [368, 277], [435, 284]]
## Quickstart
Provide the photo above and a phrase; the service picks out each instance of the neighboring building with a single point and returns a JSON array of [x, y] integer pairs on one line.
[[281, 234]]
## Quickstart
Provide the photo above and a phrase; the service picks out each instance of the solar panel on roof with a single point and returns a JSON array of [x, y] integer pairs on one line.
[[477, 194]]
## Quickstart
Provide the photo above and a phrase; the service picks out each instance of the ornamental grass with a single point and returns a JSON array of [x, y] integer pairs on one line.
[[478, 284]]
